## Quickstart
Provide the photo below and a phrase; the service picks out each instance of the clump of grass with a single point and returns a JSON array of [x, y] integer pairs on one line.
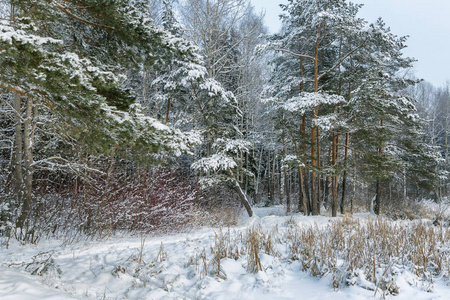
[[369, 253], [373, 251], [254, 246]]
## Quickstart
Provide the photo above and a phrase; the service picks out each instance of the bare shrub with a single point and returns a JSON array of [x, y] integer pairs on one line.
[[222, 205], [156, 201]]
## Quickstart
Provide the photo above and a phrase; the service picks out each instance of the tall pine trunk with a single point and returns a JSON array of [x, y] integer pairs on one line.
[[303, 194], [344, 179], [379, 193], [379, 187], [334, 177]]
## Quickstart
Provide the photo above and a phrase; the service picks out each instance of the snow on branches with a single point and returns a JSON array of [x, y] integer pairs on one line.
[[306, 101]]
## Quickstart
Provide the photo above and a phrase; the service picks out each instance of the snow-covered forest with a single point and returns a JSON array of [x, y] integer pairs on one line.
[[172, 120]]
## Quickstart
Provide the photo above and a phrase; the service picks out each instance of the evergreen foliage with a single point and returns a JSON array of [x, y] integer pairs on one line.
[[97, 90]]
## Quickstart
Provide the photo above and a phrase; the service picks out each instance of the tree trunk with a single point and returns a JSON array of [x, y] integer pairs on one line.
[[303, 194], [314, 129], [241, 193], [18, 149], [344, 185], [258, 178], [314, 166], [334, 196], [283, 188], [344, 180], [379, 193], [334, 179], [319, 176], [267, 171], [28, 159], [379, 188], [404, 186], [167, 111], [288, 191], [282, 185], [326, 195], [272, 184]]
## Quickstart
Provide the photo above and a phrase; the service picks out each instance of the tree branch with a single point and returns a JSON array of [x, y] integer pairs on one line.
[[295, 54], [67, 12], [342, 60]]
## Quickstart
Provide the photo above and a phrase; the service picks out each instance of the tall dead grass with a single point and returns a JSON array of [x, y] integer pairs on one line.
[[371, 253]]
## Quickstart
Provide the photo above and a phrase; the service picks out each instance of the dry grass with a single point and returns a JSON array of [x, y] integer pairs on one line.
[[372, 253], [369, 253]]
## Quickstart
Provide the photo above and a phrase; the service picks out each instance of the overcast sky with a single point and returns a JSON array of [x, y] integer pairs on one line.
[[426, 22]]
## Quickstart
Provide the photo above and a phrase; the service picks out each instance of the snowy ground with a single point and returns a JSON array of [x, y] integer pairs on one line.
[[171, 267]]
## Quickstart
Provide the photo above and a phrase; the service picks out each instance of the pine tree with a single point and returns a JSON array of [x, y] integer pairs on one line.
[[313, 46], [68, 60], [388, 131]]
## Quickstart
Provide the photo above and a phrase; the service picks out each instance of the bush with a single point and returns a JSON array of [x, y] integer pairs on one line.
[[156, 201]]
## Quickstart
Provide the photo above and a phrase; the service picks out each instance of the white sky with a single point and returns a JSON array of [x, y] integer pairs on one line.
[[426, 22]]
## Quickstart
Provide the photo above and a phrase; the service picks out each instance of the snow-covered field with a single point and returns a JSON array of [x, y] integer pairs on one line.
[[181, 267]]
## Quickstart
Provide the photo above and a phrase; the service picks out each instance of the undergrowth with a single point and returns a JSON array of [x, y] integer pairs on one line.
[[369, 253]]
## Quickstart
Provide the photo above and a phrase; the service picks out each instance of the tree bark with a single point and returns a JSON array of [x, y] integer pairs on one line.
[[344, 179], [288, 191], [314, 129], [379, 193], [28, 161], [272, 184], [303, 194], [379, 188], [333, 181], [18, 149], [344, 185], [241, 193], [319, 176]]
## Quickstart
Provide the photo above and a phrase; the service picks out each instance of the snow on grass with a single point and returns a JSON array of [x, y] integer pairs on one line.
[[216, 263]]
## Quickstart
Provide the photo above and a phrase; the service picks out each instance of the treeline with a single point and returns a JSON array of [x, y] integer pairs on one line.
[[116, 114]]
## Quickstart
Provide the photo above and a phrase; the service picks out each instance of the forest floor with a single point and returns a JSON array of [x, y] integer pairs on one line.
[[189, 266]]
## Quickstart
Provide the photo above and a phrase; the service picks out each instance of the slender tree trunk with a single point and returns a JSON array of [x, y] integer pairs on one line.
[[334, 178], [28, 159], [315, 130], [319, 176], [379, 188], [167, 111], [269, 177], [258, 177], [327, 192], [272, 185], [379, 193], [302, 190], [344, 179], [282, 186], [334, 196], [444, 191], [287, 177], [242, 195], [18, 150], [404, 186], [307, 180], [344, 186], [305, 195]]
